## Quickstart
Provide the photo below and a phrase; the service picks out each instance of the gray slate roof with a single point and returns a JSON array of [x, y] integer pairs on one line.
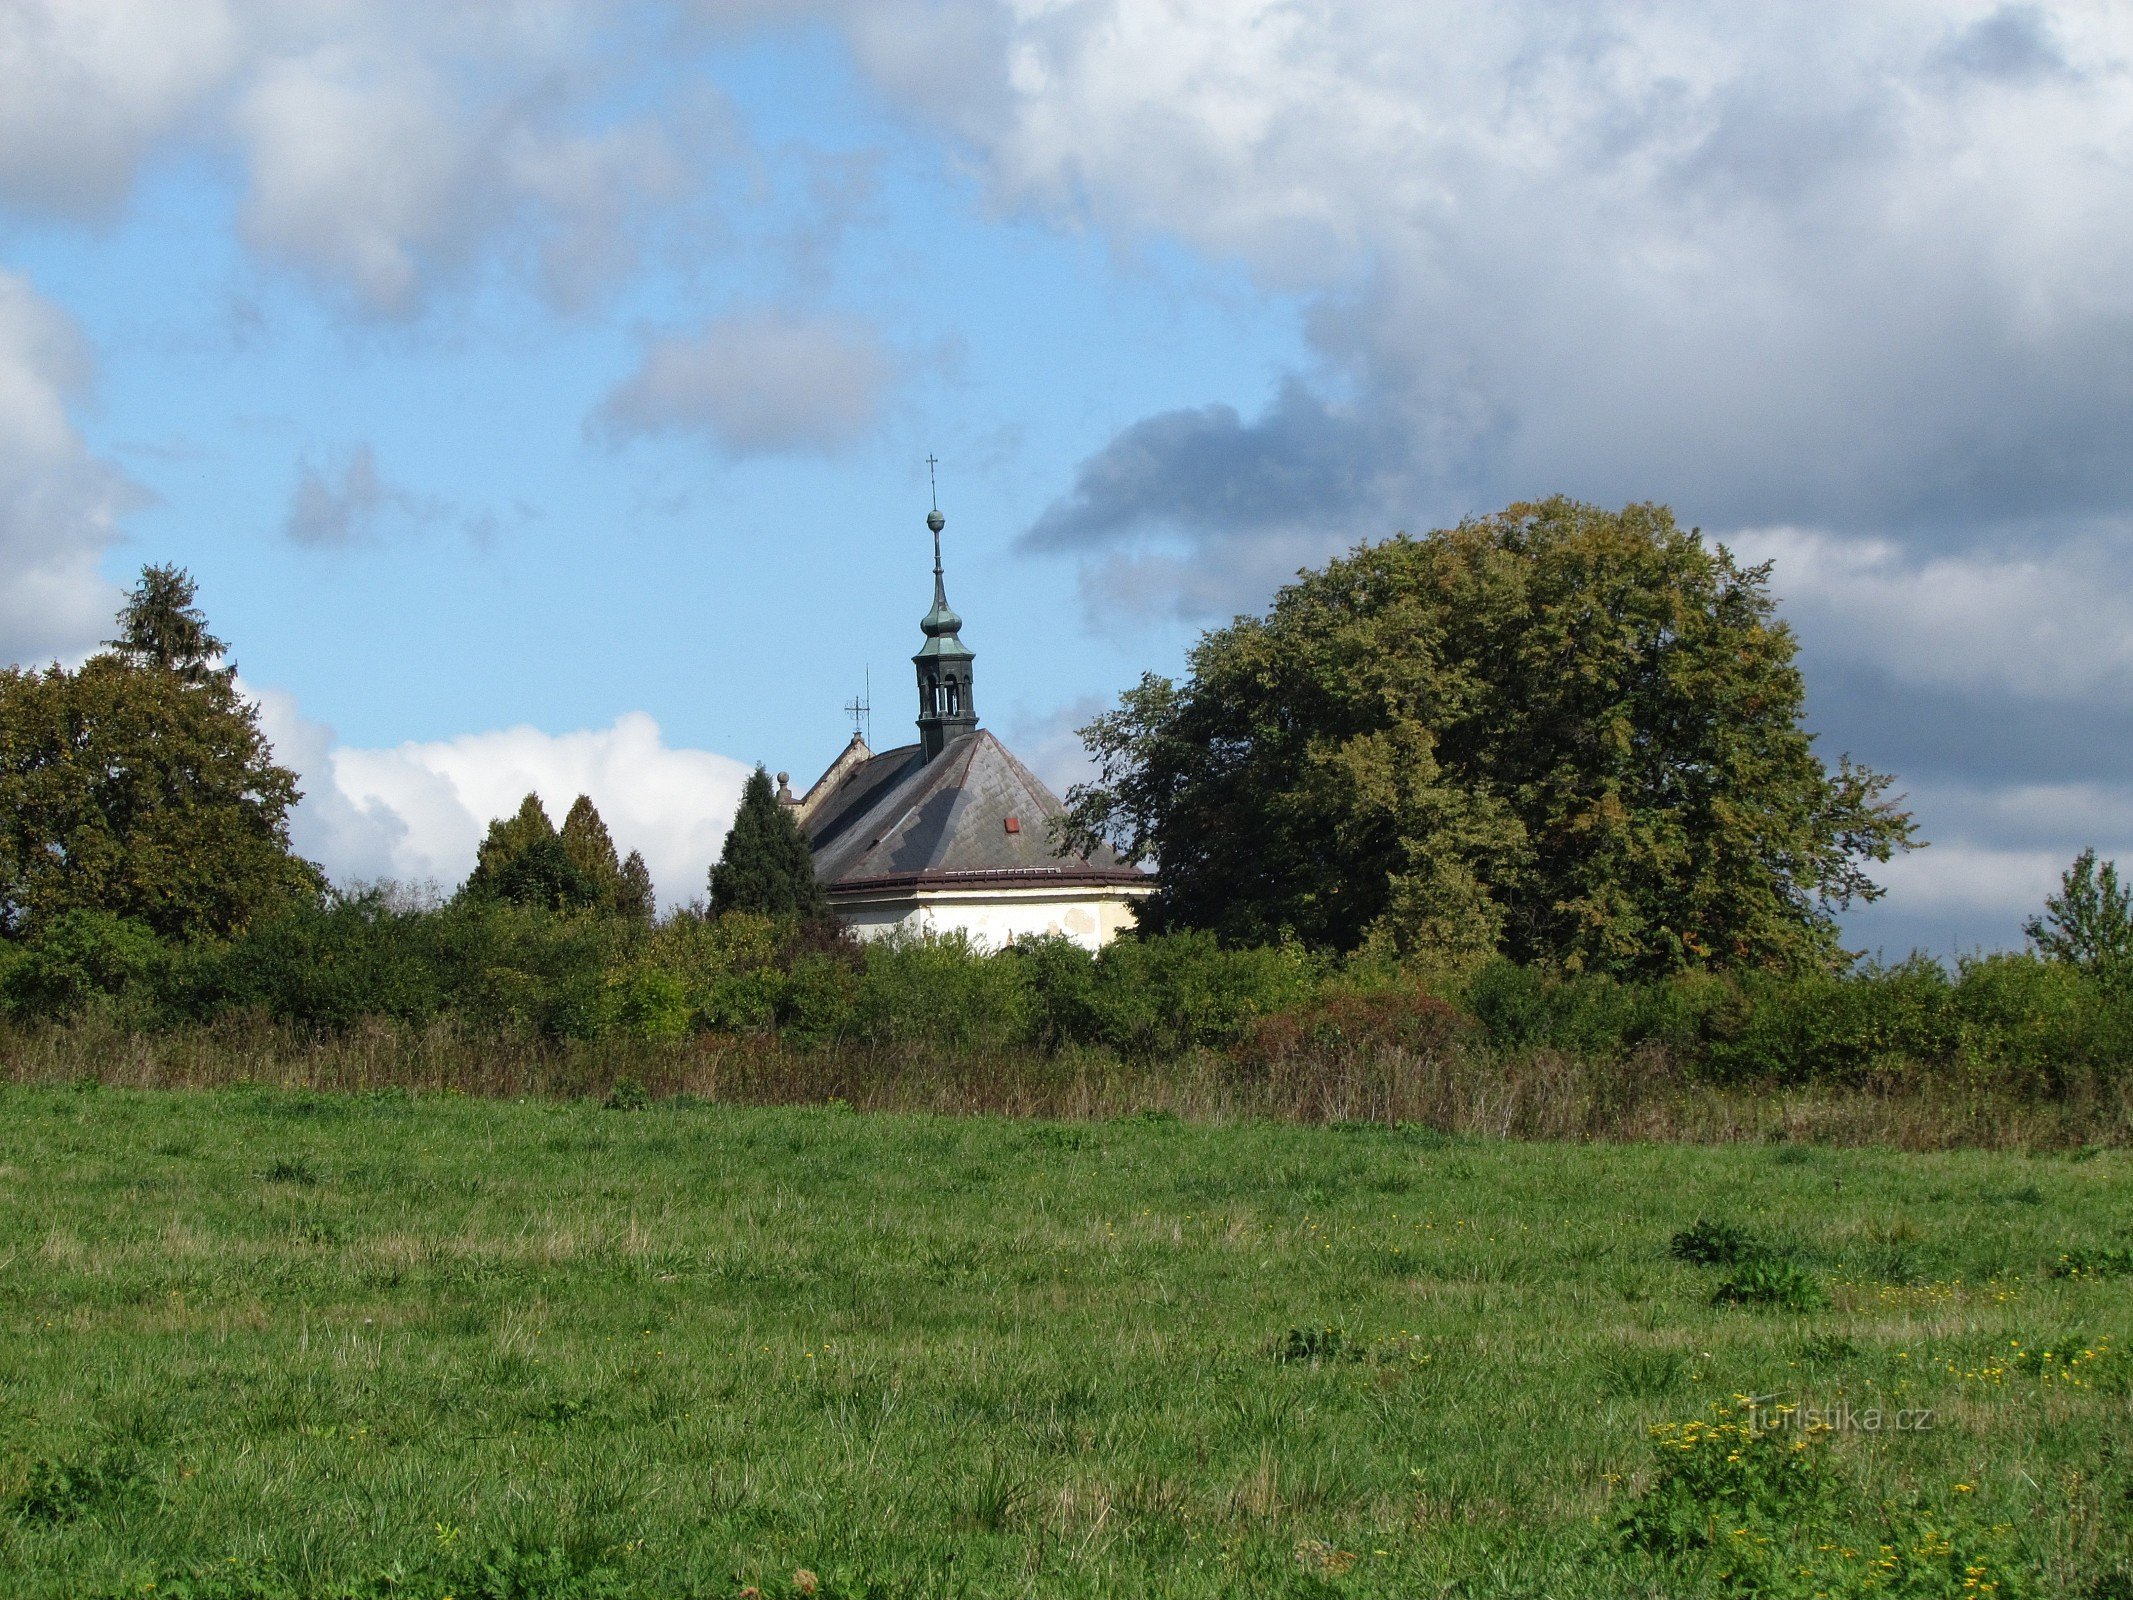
[[898, 819]]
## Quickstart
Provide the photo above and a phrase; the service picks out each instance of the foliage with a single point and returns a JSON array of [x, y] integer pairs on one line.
[[140, 784], [162, 629], [80, 959], [1732, 1470], [1771, 1281], [633, 889], [524, 861], [2089, 922], [1715, 1244], [766, 866], [1562, 733]]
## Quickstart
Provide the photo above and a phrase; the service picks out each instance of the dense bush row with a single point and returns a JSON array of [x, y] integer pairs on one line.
[[2014, 1021]]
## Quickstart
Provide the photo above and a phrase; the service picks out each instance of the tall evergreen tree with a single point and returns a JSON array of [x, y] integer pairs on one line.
[[766, 865], [524, 860], [634, 897], [592, 851], [161, 627], [141, 785]]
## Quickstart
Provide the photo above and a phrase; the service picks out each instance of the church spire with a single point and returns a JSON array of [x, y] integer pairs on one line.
[[945, 707]]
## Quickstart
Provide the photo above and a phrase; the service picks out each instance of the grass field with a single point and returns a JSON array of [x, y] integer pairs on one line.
[[266, 1343]]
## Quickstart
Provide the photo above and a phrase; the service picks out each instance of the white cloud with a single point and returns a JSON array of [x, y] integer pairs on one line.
[[359, 172], [86, 86], [756, 383], [59, 503], [416, 812], [385, 146]]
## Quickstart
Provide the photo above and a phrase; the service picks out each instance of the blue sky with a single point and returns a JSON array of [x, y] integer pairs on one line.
[[540, 391]]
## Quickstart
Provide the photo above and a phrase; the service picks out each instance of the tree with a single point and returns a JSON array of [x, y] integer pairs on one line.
[[634, 897], [159, 626], [141, 786], [2089, 922], [524, 860], [586, 842], [1567, 734], [766, 865]]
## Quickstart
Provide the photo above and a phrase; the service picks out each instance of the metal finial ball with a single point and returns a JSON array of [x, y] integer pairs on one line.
[[936, 521]]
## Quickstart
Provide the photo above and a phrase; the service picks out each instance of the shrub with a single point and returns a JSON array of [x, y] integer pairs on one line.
[[628, 1094], [1344, 1026], [1769, 1282], [1169, 994], [1822, 1027], [645, 1002], [1059, 982], [1716, 1244], [2039, 1025], [938, 991], [81, 959]]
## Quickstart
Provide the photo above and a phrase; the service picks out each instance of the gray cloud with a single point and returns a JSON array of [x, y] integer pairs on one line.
[[755, 383], [355, 503], [2013, 43], [1207, 471]]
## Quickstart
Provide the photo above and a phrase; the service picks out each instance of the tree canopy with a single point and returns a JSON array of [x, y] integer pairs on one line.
[[766, 865], [140, 785], [2089, 922], [1568, 734]]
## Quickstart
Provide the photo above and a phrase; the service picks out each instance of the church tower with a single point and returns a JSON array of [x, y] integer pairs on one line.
[[945, 708]]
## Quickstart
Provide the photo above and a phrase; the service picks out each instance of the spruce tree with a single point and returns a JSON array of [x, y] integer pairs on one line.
[[766, 865]]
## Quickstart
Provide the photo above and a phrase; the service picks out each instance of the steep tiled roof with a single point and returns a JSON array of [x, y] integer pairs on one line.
[[972, 813]]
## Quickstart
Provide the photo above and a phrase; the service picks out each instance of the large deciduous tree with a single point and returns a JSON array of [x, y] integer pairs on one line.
[[1563, 733], [140, 785], [766, 865]]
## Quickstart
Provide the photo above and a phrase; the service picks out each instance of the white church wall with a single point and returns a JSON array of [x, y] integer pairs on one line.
[[993, 919]]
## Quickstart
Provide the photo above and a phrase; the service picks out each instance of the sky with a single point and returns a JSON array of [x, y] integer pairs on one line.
[[540, 391]]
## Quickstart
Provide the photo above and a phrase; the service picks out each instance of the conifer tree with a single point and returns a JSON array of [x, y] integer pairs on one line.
[[634, 896], [766, 865], [523, 860], [592, 851]]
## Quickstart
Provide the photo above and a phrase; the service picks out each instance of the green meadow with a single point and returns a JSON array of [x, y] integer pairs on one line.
[[269, 1343]]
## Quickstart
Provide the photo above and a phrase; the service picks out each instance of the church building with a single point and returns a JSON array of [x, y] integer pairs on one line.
[[953, 834]]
